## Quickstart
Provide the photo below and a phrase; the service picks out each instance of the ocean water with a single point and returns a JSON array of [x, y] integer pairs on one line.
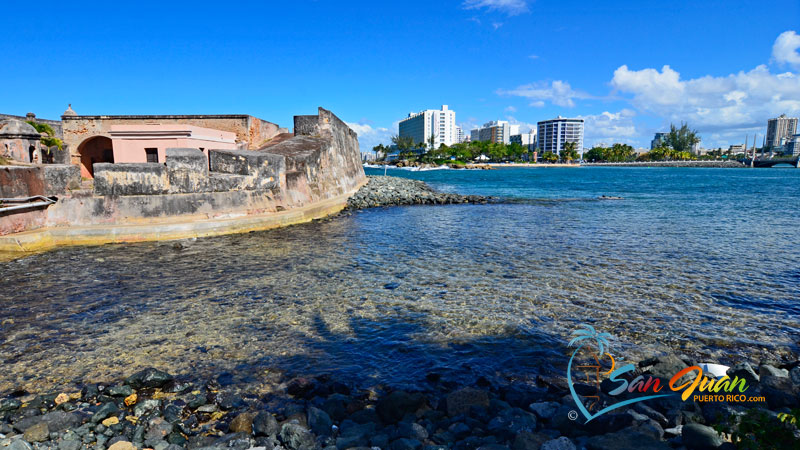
[[704, 262]]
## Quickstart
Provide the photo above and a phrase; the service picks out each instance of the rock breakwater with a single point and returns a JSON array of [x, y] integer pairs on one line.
[[396, 191]]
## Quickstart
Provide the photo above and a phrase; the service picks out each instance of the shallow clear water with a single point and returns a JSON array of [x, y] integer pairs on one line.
[[706, 261]]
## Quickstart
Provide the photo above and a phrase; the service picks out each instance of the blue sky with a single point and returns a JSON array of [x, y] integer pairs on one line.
[[731, 65]]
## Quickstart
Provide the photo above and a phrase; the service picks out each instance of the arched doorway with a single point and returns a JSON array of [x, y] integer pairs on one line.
[[96, 149]]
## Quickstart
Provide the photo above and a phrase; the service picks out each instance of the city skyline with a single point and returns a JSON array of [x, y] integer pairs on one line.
[[627, 70]]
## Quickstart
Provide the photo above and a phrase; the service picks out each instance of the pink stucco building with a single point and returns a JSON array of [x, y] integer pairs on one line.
[[143, 143]]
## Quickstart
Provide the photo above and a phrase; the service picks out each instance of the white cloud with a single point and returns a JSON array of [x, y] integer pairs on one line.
[[510, 7], [610, 128], [558, 92], [786, 49], [510, 109], [369, 137], [524, 127], [741, 100], [497, 25], [533, 56]]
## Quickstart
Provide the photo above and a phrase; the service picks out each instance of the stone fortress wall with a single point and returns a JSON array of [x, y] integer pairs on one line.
[[307, 176], [55, 124]]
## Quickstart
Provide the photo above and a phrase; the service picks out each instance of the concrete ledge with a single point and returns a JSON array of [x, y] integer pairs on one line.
[[177, 228]]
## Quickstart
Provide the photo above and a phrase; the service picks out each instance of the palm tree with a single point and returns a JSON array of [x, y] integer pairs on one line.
[[588, 332], [568, 152]]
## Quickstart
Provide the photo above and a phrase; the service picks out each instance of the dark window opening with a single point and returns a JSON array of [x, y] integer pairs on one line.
[[152, 155]]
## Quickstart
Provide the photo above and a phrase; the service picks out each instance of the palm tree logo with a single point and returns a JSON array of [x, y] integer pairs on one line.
[[588, 332], [583, 337]]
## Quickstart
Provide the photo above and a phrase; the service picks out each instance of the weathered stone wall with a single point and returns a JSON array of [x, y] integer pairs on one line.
[[47, 180], [323, 159], [249, 130], [55, 124], [130, 179]]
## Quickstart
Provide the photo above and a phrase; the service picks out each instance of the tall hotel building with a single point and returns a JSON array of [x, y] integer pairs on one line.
[[497, 131], [441, 124], [555, 132], [780, 130]]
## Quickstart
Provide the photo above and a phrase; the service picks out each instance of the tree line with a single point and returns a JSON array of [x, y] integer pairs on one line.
[[677, 145]]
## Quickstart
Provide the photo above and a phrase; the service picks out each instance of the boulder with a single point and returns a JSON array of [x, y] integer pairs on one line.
[[394, 406], [243, 423], [460, 401], [148, 378], [265, 424], [625, 440], [700, 437], [319, 421], [37, 433], [562, 443], [296, 437], [744, 371]]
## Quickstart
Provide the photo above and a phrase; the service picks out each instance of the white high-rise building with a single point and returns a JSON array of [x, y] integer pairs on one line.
[[439, 124], [459, 135], [525, 139], [555, 132], [498, 131]]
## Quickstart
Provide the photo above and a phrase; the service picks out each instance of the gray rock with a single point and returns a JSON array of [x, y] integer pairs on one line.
[[37, 433], [562, 443], [379, 440], [625, 440], [107, 410], [265, 424], [19, 444], [744, 371], [157, 430], [651, 413], [405, 444], [319, 421], [700, 437], [510, 422], [460, 401], [771, 371], [666, 367], [120, 391], [69, 445], [9, 404], [528, 440], [794, 375], [394, 406], [412, 430], [146, 406], [779, 392], [544, 410], [296, 437], [148, 378], [354, 434]]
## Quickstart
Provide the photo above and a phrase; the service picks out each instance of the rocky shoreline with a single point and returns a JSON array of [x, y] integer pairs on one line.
[[396, 191], [155, 410]]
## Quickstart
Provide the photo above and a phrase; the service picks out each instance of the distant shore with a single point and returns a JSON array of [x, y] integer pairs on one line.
[[713, 164]]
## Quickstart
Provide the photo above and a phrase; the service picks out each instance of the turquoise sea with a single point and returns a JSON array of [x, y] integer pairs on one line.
[[704, 262]]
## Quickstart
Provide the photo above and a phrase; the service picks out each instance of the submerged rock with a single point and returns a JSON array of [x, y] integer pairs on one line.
[[148, 378]]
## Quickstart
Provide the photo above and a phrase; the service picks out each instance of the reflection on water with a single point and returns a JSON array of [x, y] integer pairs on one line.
[[695, 262]]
